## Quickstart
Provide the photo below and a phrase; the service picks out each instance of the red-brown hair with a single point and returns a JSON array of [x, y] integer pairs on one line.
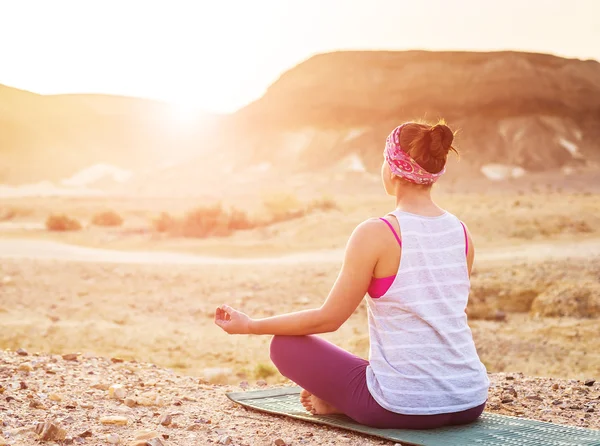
[[428, 145]]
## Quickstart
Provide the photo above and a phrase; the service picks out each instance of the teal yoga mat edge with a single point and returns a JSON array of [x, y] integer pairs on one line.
[[244, 398], [240, 397]]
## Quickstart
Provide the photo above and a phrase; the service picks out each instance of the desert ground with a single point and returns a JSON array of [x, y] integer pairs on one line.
[[116, 293]]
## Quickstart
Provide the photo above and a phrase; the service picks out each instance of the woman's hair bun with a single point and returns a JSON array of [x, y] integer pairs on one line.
[[441, 138]]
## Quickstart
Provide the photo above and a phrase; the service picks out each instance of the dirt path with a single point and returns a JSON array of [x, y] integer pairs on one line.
[[44, 249]]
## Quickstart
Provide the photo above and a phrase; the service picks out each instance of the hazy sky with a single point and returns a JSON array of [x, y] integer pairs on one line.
[[220, 54]]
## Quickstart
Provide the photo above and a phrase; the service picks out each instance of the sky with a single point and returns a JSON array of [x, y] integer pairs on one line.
[[218, 55]]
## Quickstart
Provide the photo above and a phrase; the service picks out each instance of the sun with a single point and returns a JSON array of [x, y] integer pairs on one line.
[[182, 114]]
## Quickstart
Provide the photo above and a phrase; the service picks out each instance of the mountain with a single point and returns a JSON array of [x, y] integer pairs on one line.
[[535, 111], [515, 112], [49, 137]]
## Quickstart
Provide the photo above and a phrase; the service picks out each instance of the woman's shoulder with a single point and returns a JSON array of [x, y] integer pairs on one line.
[[373, 229]]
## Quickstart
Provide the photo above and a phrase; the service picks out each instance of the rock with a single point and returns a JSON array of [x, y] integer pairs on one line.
[[70, 356], [534, 398], [511, 391], [117, 392], [506, 400], [261, 383], [25, 367], [114, 420], [23, 385], [555, 386], [145, 434], [244, 385], [87, 434], [154, 442], [165, 419], [49, 431], [279, 442], [129, 402], [589, 382], [22, 352], [149, 399], [224, 439], [116, 360], [113, 439], [55, 397], [100, 386], [86, 405], [36, 404]]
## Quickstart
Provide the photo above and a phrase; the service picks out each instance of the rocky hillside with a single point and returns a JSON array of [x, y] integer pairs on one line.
[[534, 111], [82, 399], [526, 111], [52, 137]]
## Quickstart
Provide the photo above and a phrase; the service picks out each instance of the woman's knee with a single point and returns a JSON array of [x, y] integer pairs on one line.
[[281, 347], [285, 350]]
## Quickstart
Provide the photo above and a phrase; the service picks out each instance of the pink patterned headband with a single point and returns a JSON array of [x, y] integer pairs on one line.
[[402, 165]]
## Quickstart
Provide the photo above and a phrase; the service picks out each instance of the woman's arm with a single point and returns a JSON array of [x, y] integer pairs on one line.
[[362, 253], [470, 252]]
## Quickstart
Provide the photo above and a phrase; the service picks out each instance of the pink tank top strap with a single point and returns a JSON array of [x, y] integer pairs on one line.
[[466, 238], [391, 229]]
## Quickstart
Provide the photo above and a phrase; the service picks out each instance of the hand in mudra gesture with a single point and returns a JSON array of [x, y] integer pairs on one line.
[[232, 321]]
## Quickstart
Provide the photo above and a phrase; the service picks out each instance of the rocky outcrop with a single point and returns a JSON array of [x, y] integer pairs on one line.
[[535, 111]]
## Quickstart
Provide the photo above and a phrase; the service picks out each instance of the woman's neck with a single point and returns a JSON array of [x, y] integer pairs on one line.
[[417, 202]]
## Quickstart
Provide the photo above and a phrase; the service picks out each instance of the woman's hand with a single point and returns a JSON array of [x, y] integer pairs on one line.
[[232, 321]]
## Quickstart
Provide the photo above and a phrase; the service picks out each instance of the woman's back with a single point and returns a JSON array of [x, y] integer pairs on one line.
[[423, 360]]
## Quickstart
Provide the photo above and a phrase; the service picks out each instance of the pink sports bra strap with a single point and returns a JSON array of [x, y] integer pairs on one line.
[[392, 229], [466, 239]]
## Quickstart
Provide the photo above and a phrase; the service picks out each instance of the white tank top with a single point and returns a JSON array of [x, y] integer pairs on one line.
[[422, 356]]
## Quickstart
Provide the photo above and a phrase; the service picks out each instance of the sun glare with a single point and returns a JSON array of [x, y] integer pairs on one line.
[[184, 114]]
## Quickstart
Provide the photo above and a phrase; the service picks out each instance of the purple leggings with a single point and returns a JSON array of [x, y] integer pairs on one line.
[[339, 378]]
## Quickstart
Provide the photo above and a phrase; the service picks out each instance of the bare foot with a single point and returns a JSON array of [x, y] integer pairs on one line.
[[315, 405]]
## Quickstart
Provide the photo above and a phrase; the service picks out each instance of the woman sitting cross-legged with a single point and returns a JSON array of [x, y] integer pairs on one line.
[[414, 264]]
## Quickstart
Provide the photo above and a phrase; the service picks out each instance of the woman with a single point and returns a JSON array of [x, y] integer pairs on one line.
[[414, 264]]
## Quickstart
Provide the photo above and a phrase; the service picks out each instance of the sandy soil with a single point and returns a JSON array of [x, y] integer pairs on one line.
[[534, 311], [107, 402]]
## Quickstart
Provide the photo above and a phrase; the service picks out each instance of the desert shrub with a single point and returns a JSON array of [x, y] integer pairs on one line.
[[7, 214], [107, 218], [206, 221], [164, 222], [10, 213], [283, 207], [239, 220], [325, 203], [61, 222], [263, 371]]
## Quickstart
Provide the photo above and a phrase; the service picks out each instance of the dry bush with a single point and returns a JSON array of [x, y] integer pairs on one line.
[[205, 222], [164, 222], [107, 218], [578, 299], [264, 371], [202, 222], [283, 207], [61, 222], [325, 203], [10, 213]]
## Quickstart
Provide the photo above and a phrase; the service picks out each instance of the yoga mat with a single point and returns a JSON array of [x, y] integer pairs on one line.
[[489, 430]]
